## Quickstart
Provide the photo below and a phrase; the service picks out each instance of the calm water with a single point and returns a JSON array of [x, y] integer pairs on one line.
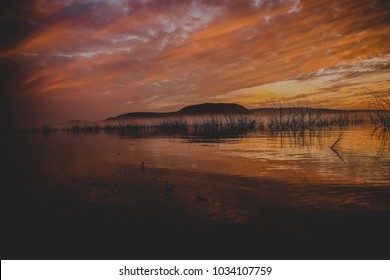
[[294, 185], [361, 159]]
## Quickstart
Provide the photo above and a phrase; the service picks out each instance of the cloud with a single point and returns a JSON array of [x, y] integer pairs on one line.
[[100, 58]]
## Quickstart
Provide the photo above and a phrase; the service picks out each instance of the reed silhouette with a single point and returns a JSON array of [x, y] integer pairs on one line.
[[380, 110], [283, 115]]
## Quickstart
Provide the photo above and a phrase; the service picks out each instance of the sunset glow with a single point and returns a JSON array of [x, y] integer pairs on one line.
[[92, 59]]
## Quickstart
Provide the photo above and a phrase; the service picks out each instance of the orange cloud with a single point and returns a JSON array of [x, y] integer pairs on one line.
[[140, 55]]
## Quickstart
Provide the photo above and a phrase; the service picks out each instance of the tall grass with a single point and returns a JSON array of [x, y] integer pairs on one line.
[[211, 126], [282, 116], [225, 125], [293, 119], [86, 128], [380, 110], [288, 116]]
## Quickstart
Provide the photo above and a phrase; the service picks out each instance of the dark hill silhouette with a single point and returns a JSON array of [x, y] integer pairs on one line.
[[199, 109], [214, 108], [141, 115], [220, 109]]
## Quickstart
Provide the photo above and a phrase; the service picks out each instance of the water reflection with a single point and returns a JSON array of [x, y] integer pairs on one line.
[[287, 168], [282, 184], [354, 160]]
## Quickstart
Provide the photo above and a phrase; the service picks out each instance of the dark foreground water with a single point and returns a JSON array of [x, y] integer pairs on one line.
[[262, 196]]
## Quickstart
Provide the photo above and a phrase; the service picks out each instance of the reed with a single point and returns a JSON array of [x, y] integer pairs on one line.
[[211, 126], [380, 110], [337, 142], [288, 116], [224, 125], [48, 129], [282, 116]]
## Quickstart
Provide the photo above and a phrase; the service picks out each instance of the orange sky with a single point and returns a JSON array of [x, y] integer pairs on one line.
[[91, 59]]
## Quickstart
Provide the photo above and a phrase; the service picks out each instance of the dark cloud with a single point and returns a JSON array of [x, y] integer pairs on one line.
[[15, 102], [15, 22]]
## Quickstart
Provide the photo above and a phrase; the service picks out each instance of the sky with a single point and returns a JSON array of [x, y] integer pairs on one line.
[[91, 59]]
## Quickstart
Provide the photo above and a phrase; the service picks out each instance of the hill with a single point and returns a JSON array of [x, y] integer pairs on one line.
[[214, 108], [140, 115], [198, 109], [221, 109]]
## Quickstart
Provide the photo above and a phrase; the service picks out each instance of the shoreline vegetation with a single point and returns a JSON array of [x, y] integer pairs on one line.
[[85, 191], [232, 120]]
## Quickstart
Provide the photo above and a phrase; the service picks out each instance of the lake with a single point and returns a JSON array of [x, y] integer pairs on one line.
[[261, 195]]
